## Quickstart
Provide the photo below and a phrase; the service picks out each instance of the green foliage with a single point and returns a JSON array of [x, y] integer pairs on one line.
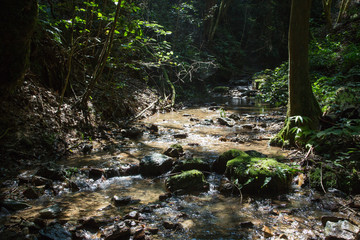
[[273, 85], [324, 55]]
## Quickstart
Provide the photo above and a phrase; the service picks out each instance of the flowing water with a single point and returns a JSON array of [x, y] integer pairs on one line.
[[206, 216]]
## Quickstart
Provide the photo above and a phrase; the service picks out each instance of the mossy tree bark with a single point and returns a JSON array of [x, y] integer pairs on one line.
[[17, 22], [301, 98]]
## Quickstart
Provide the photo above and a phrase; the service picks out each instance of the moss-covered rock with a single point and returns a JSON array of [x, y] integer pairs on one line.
[[190, 164], [187, 182], [175, 150], [260, 175], [155, 164], [219, 165]]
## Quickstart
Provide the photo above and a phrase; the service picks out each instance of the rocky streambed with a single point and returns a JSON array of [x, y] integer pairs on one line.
[[133, 184]]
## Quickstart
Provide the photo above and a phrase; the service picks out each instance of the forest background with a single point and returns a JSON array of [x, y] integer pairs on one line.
[[89, 63]]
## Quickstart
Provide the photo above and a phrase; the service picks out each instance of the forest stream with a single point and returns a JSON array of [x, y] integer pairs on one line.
[[89, 211]]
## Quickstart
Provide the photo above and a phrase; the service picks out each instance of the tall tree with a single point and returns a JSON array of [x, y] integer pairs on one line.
[[301, 98], [17, 23]]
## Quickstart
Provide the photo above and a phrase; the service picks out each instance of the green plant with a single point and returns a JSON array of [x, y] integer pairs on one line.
[[272, 85]]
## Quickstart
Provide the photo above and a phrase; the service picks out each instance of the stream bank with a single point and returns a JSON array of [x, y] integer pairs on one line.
[[98, 193]]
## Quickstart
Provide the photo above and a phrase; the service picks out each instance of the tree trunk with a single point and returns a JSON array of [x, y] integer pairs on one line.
[[17, 22], [301, 98]]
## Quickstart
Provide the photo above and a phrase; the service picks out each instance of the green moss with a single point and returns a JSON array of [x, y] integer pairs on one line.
[[260, 175], [188, 181], [177, 147], [221, 89], [219, 165]]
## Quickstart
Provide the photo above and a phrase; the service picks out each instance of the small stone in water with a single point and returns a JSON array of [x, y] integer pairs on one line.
[[169, 225], [246, 224], [121, 201]]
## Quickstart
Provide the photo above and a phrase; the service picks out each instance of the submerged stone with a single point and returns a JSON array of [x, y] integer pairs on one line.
[[13, 205], [155, 164], [55, 232], [187, 182], [260, 175]]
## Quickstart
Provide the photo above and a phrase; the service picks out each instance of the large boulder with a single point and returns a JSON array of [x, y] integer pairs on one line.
[[259, 175], [187, 182], [219, 165], [155, 164]]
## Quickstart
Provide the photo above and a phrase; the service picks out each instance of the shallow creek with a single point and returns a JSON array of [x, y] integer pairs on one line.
[[206, 216]]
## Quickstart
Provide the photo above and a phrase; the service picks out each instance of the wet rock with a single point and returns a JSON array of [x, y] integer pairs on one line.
[[175, 150], [132, 132], [355, 203], [146, 209], [219, 166], [121, 201], [50, 173], [226, 121], [32, 193], [194, 120], [187, 182], [139, 233], [96, 173], [342, 230], [111, 172], [169, 225], [87, 148], [132, 215], [247, 224], [325, 219], [41, 181], [235, 117], [117, 232], [180, 135], [248, 126], [50, 212], [164, 196], [153, 128], [155, 164], [207, 122], [130, 169], [13, 205], [55, 232], [4, 212], [267, 232], [93, 223], [195, 163], [152, 229], [186, 224]]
